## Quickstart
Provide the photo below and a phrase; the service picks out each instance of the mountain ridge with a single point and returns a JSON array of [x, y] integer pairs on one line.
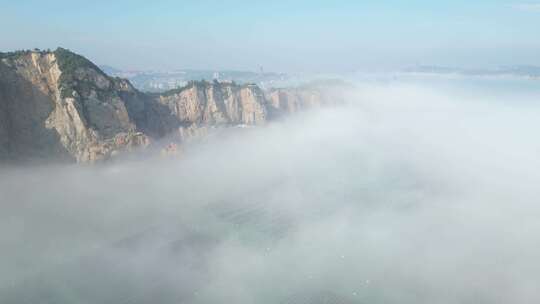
[[60, 105]]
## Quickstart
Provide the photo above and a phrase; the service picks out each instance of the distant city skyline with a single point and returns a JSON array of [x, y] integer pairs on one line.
[[280, 36]]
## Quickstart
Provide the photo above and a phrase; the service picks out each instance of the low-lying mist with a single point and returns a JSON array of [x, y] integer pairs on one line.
[[409, 193]]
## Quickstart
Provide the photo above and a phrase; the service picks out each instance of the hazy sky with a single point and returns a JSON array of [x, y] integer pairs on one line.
[[280, 35]]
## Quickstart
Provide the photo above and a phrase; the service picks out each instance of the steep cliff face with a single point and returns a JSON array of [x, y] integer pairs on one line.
[[28, 93], [150, 117], [205, 103], [58, 104], [292, 100], [4, 139]]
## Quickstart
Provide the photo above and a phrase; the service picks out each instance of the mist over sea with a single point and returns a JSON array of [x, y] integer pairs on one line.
[[420, 189]]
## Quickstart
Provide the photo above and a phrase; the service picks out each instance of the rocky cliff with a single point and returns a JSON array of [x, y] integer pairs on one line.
[[291, 100], [60, 105], [214, 103]]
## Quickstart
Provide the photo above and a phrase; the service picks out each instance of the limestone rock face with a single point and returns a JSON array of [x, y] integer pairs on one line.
[[292, 100], [4, 139], [28, 95], [122, 142], [205, 103], [59, 105], [149, 116]]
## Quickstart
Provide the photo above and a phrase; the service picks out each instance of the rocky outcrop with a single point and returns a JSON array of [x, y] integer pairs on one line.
[[4, 131], [60, 105], [150, 117], [291, 100], [27, 93], [214, 103]]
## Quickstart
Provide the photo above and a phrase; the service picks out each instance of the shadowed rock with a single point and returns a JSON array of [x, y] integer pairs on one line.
[[59, 105]]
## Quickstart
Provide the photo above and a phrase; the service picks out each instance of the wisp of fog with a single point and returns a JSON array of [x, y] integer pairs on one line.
[[409, 193]]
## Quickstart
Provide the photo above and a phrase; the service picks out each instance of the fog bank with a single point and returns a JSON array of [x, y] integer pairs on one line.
[[410, 193]]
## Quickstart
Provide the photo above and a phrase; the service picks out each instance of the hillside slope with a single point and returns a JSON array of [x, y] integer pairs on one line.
[[59, 105]]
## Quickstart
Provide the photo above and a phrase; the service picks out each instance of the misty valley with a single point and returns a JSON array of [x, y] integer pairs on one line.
[[367, 188]]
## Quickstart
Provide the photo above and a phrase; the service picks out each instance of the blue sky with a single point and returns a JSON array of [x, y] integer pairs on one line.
[[279, 35]]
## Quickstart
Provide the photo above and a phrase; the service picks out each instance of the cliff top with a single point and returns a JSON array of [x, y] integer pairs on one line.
[[205, 84], [20, 53], [68, 61], [71, 64]]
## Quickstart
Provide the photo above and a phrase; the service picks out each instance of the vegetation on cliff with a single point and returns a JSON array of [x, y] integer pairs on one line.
[[203, 84], [69, 62], [105, 108], [192, 83], [19, 53], [73, 78]]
